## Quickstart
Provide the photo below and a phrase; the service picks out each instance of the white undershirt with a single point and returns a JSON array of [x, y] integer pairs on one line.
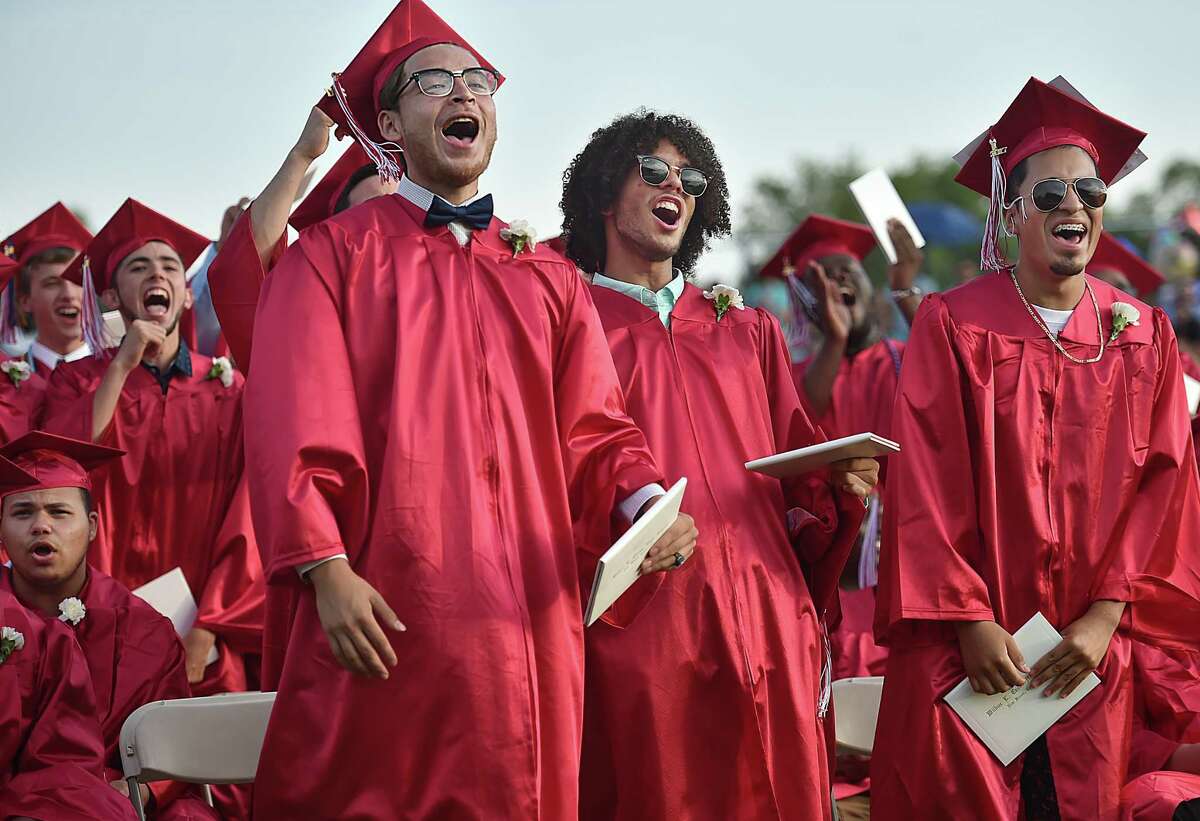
[[1055, 320]]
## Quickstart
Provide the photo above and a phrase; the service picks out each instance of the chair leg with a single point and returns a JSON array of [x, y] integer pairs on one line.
[[208, 794], [135, 797]]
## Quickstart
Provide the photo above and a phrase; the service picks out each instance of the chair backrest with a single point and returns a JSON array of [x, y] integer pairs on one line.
[[210, 740], [855, 711]]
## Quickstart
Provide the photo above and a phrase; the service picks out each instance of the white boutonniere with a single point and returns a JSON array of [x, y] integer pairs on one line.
[[1123, 315], [17, 370], [520, 235], [71, 611], [11, 641], [723, 298], [222, 369]]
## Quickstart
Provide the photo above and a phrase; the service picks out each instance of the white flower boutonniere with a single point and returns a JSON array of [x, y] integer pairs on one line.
[[222, 369], [1123, 315], [723, 298], [520, 235], [11, 641], [71, 611], [17, 370]]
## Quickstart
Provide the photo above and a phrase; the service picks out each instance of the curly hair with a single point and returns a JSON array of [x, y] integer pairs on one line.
[[594, 178]]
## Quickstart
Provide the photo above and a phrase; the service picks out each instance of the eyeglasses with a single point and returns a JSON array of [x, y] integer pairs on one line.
[[655, 170], [439, 82], [1047, 195]]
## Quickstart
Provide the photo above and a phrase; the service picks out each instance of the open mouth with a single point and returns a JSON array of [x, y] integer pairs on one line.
[[42, 550], [666, 211], [69, 314], [1070, 233], [156, 302], [461, 131], [849, 298]]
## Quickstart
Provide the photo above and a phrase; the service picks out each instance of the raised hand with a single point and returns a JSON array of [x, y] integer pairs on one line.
[[909, 257], [314, 139], [835, 316]]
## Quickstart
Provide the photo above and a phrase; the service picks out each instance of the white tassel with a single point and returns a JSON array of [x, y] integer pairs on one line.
[[990, 256], [826, 672], [389, 170], [868, 557], [95, 334]]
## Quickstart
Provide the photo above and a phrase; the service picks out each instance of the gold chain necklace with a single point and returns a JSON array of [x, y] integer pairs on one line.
[[1041, 324]]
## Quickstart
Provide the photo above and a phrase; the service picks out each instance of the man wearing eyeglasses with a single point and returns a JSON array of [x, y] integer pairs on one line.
[[708, 704], [1047, 468], [428, 455]]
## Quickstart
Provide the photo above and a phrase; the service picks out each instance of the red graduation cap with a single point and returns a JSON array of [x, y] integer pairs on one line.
[[1113, 254], [353, 102], [131, 227], [56, 227], [320, 203], [47, 461], [817, 237], [1042, 116]]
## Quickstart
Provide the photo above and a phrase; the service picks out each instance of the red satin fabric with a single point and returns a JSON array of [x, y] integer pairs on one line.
[[1167, 706], [175, 499], [1155, 796], [705, 706], [863, 392], [450, 419], [855, 652], [1028, 483], [235, 279], [20, 405], [51, 753]]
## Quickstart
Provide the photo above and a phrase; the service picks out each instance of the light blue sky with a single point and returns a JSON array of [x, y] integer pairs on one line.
[[187, 105]]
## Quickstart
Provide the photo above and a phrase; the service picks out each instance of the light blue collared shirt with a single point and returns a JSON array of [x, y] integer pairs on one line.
[[662, 301]]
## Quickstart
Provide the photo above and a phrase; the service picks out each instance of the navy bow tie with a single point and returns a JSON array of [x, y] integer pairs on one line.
[[477, 215]]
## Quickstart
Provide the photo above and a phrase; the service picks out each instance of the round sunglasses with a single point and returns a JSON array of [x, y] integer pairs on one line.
[[1047, 195], [656, 170]]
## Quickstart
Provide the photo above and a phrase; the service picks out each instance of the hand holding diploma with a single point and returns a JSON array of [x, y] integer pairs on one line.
[[855, 476], [679, 540], [350, 610], [1081, 650], [991, 657]]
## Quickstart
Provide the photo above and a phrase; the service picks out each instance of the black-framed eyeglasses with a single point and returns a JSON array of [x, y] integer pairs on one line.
[[655, 170], [439, 82], [1047, 195]]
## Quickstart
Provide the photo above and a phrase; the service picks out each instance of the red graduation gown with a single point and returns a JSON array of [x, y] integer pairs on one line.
[[444, 418], [863, 391], [235, 280], [705, 706], [20, 405], [1155, 796], [1028, 483], [51, 754], [175, 499]]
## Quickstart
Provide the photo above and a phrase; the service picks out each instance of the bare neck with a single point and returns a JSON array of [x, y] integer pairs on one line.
[[45, 599], [1047, 289], [628, 266], [455, 195]]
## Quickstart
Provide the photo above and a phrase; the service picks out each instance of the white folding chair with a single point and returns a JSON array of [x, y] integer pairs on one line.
[[855, 711], [210, 740]]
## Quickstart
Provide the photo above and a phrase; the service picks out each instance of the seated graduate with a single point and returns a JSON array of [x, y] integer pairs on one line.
[[132, 652]]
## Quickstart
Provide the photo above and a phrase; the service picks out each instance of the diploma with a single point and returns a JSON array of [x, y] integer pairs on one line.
[[171, 596], [814, 457]]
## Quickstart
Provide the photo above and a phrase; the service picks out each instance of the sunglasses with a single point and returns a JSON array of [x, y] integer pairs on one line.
[[655, 170], [1047, 195], [439, 82]]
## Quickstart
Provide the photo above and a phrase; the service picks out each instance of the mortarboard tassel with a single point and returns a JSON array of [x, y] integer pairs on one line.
[[94, 332], [826, 672], [10, 323], [868, 557], [389, 170], [990, 257]]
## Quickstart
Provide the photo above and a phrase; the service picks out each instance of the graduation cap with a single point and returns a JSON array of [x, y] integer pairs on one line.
[[353, 101], [42, 461], [1113, 254], [56, 227], [1042, 116], [817, 237], [131, 227], [321, 202]]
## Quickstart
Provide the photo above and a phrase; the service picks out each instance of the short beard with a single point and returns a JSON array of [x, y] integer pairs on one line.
[[450, 175], [649, 250], [1067, 269]]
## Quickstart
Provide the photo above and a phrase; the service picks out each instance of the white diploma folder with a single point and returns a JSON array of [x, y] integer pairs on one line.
[[170, 595], [620, 565], [879, 202], [1010, 722], [814, 457]]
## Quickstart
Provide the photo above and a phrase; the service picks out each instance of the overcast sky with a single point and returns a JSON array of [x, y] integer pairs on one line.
[[188, 105]]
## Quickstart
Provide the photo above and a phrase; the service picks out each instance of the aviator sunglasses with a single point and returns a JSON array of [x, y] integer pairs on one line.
[[1048, 194], [655, 170]]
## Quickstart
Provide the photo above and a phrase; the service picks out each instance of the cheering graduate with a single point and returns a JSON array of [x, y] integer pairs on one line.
[[1047, 467], [709, 704], [259, 236], [176, 497], [132, 652], [448, 425]]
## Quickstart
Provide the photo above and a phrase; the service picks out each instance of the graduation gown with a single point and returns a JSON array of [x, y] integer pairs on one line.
[[20, 405], [1028, 483], [450, 418], [235, 280], [51, 753], [863, 391], [706, 705], [175, 499]]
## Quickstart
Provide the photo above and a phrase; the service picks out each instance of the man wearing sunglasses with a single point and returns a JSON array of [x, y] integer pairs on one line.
[[708, 704], [429, 453], [1047, 468]]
